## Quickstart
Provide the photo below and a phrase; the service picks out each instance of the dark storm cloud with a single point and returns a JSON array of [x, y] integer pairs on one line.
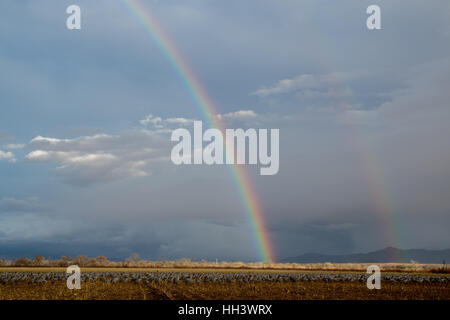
[[8, 205]]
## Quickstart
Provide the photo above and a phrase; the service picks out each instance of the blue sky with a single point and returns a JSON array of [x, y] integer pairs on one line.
[[82, 173]]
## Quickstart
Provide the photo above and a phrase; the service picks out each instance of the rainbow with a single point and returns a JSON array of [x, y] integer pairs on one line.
[[247, 195], [381, 200], [383, 203]]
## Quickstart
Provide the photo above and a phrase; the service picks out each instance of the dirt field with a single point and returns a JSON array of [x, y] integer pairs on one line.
[[260, 290], [141, 284]]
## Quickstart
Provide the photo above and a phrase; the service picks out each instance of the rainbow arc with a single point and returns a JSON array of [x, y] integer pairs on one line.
[[248, 197]]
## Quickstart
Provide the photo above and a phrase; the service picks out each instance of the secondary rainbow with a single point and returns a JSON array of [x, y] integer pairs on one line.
[[247, 195], [382, 201]]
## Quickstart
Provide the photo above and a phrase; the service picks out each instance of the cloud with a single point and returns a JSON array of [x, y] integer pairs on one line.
[[419, 105], [150, 119], [9, 205], [8, 156], [180, 121], [15, 146], [239, 115], [309, 84], [137, 153], [163, 240], [242, 117], [352, 90], [249, 118], [159, 123], [350, 162], [102, 157]]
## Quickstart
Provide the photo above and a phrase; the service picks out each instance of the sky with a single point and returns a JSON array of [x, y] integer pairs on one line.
[[86, 117]]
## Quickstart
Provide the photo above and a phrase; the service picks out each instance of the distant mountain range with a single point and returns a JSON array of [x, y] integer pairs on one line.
[[388, 254]]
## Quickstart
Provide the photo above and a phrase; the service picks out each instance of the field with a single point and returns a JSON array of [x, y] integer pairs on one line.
[[194, 283]]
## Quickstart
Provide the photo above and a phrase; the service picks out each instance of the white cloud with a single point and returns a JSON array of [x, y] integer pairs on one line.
[[74, 157], [160, 123], [41, 155], [15, 146], [49, 140], [307, 82], [249, 118], [150, 119], [102, 157], [132, 154], [8, 156], [181, 121], [239, 115]]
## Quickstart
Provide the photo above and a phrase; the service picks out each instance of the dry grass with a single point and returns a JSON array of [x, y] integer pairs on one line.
[[338, 268], [258, 290], [102, 263], [442, 270]]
